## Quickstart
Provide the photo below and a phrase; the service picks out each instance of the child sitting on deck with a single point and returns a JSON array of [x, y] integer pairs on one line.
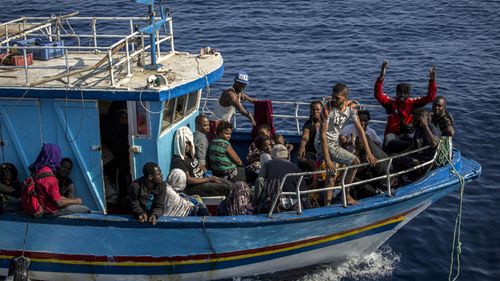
[[224, 161]]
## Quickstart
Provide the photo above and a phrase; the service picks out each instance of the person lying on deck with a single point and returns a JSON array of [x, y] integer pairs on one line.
[[147, 194], [43, 172], [310, 129], [333, 117], [184, 159], [231, 98], [224, 161], [398, 131]]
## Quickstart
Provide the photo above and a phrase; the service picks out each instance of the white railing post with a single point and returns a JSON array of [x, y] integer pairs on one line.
[[158, 51], [131, 22], [129, 74], [299, 201], [171, 30], [111, 72], [344, 193], [388, 174], [94, 32], [66, 57], [25, 65], [297, 117]]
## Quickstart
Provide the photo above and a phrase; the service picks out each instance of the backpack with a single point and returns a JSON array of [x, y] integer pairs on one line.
[[32, 205]]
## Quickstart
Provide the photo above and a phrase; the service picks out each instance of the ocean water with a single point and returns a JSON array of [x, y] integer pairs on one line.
[[299, 49]]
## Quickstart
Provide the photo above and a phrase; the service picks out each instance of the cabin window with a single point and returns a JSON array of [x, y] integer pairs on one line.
[[192, 101], [142, 118], [168, 114], [180, 108]]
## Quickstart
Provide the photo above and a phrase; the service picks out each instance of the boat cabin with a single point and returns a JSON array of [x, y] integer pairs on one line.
[[69, 80]]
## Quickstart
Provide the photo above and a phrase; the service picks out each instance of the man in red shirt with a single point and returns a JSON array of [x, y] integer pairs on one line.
[[399, 130]]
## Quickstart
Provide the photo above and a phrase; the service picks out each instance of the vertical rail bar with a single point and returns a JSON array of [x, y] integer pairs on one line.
[[171, 30], [297, 117], [388, 174], [66, 57], [49, 30], [112, 75], [128, 57], [158, 51], [344, 197], [299, 202], [25, 65], [132, 32], [7, 35], [94, 32]]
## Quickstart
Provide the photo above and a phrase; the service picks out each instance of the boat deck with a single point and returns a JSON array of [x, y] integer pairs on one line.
[[179, 68]]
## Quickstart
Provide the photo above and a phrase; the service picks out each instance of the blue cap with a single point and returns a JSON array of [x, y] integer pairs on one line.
[[241, 77]]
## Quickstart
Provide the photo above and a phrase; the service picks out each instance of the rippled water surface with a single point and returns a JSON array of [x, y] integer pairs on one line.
[[297, 49]]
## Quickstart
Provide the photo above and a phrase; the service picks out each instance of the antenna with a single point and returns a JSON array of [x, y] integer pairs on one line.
[[151, 29]]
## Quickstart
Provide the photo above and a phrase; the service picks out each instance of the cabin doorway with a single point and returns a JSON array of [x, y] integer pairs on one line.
[[114, 128]]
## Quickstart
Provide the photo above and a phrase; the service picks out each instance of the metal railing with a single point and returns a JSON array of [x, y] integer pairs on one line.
[[388, 176], [129, 48], [297, 118]]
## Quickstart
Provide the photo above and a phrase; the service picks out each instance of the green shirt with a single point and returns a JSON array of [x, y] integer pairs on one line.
[[218, 158]]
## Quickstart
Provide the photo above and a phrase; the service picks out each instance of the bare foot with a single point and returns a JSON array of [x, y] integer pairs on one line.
[[351, 201]]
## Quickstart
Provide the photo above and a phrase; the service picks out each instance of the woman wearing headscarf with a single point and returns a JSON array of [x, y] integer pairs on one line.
[[238, 202], [178, 203], [47, 187], [184, 159]]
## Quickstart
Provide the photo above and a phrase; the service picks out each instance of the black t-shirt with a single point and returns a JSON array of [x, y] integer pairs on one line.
[[312, 134], [420, 140], [187, 165]]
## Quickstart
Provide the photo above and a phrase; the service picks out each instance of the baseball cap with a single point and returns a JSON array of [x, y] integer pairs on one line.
[[241, 77], [280, 151]]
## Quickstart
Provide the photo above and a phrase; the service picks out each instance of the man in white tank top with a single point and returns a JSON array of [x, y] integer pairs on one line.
[[230, 100]]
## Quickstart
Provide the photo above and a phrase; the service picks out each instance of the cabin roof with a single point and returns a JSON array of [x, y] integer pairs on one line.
[[184, 73]]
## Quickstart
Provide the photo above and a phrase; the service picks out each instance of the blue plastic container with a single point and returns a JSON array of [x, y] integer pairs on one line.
[[42, 54]]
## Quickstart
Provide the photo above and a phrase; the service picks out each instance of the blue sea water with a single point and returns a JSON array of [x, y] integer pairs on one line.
[[299, 49]]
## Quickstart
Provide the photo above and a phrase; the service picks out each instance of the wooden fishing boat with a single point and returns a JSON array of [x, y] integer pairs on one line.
[[60, 100]]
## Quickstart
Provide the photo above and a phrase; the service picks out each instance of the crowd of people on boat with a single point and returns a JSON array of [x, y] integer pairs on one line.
[[205, 163]]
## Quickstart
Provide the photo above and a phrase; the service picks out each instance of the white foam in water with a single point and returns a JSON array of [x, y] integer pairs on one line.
[[379, 264]]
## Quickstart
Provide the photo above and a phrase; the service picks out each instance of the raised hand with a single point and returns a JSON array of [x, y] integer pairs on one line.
[[383, 68], [432, 73]]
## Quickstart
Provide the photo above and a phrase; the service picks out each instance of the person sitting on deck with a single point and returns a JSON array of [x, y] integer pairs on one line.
[[265, 144], [269, 180], [254, 152], [10, 189], [441, 118], [426, 134], [350, 132], [201, 140], [231, 99], [279, 139], [184, 159], [238, 202], [399, 130], [147, 194], [66, 186], [224, 161], [310, 128], [43, 171], [333, 117], [178, 204]]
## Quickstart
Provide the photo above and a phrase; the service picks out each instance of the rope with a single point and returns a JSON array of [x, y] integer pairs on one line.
[[26, 234], [208, 237], [442, 159]]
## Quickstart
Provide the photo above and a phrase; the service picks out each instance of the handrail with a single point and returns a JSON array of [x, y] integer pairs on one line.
[[344, 186], [131, 52]]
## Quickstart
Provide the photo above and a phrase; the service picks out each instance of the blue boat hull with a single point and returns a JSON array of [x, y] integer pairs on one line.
[[103, 247]]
